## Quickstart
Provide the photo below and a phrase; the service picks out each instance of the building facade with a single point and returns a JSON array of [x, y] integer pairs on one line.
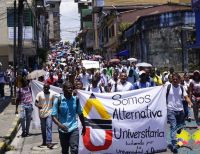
[[162, 39], [53, 11]]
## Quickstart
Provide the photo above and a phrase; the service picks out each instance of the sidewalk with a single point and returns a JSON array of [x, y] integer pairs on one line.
[[8, 121], [31, 144]]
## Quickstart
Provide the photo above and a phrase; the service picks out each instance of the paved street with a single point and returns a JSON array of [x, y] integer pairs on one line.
[[30, 144]]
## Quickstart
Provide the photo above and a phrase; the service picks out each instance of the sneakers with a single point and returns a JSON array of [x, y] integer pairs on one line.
[[50, 146], [23, 134], [173, 148]]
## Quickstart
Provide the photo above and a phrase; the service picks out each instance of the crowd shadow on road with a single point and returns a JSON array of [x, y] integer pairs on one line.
[[4, 103], [36, 134]]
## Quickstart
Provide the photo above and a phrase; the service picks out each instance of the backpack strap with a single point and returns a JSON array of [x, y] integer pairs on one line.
[[167, 94], [138, 85], [181, 91], [77, 103], [100, 88], [89, 88], [59, 102]]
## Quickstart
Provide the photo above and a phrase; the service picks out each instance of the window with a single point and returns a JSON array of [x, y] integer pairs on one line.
[[28, 17]]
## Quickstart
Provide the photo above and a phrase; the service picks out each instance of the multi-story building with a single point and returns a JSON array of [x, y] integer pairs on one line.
[[86, 37], [109, 17], [53, 10], [7, 33]]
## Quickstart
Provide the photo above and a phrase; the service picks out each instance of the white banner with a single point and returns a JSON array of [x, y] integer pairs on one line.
[[119, 123], [90, 64], [128, 122]]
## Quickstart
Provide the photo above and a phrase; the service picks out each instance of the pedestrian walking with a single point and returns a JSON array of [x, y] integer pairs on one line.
[[123, 84], [10, 78], [59, 82], [44, 102], [65, 109], [113, 81], [194, 90], [95, 86], [51, 79], [142, 83], [84, 77], [24, 102], [2, 82], [175, 110]]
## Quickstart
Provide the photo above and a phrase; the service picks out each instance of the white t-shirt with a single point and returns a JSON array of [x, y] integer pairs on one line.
[[95, 90], [122, 87], [85, 79], [175, 98], [104, 79], [47, 103]]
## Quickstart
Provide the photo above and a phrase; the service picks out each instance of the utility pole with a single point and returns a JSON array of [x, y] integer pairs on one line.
[[14, 46], [20, 34]]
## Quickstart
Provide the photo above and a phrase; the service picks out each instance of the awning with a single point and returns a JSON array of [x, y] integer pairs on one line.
[[123, 53]]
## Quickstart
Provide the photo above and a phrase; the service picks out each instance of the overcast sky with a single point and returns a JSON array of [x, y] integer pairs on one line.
[[70, 20]]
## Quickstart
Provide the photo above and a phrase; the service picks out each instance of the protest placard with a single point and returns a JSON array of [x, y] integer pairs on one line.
[[88, 64], [121, 122]]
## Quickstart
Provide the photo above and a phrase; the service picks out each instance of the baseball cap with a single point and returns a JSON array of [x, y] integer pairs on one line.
[[142, 72]]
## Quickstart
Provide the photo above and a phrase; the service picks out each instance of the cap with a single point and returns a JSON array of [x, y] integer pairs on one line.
[[142, 72], [196, 72]]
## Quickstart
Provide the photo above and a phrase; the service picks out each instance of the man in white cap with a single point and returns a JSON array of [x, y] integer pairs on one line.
[[142, 83]]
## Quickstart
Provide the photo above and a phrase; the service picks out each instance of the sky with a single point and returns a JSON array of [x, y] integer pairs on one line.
[[70, 20]]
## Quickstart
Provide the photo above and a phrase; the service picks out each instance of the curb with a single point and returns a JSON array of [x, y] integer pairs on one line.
[[10, 135]]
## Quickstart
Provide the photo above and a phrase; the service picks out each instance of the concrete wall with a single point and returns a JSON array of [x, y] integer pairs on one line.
[[164, 48], [140, 2]]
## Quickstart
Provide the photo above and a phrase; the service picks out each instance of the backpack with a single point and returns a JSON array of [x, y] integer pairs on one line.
[[168, 89]]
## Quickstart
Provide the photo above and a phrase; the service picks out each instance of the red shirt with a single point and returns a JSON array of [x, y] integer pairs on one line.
[[50, 81]]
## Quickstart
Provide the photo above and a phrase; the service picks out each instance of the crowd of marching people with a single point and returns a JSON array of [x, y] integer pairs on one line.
[[183, 93]]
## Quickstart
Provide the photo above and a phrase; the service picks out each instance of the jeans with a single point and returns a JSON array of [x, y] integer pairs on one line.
[[187, 110], [176, 121], [71, 140], [46, 128], [11, 88], [2, 89], [196, 107], [25, 117]]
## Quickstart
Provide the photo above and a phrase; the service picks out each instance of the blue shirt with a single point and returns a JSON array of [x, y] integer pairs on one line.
[[139, 85], [67, 112]]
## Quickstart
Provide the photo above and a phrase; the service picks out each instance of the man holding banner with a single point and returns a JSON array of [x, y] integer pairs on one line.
[[64, 113]]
